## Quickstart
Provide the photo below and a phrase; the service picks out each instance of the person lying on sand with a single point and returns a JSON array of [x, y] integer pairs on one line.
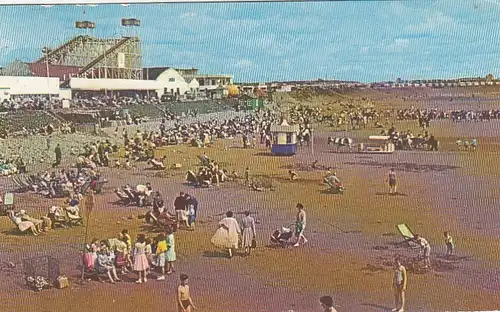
[[293, 175]]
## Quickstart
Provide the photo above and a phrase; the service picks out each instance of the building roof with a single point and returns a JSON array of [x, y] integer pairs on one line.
[[60, 71], [113, 84], [152, 73], [212, 76]]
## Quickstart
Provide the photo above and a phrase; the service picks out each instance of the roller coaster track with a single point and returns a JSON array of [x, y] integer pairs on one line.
[[99, 58], [60, 48]]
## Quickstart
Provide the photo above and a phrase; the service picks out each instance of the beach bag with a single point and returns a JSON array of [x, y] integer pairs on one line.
[[254, 243], [62, 282]]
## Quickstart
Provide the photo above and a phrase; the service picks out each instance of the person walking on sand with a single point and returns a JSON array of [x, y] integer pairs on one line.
[[49, 141], [184, 300], [248, 232], [301, 225], [399, 284], [392, 181], [58, 153], [226, 235], [327, 304], [450, 247]]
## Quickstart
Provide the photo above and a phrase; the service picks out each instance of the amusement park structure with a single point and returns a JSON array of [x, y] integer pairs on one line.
[[103, 58]]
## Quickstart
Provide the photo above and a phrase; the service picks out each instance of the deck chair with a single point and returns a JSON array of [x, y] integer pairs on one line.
[[16, 181], [85, 187], [191, 178], [74, 220], [23, 179], [156, 164], [407, 235], [57, 217], [90, 271], [123, 198], [99, 186], [8, 203], [10, 214], [133, 198]]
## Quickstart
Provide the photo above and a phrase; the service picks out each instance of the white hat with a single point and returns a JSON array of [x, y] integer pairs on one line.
[[22, 211]]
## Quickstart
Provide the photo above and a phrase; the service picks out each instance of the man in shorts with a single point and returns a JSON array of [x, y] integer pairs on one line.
[[399, 284], [301, 225]]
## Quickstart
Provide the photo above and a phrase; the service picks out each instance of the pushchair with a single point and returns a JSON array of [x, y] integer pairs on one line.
[[335, 188], [283, 237]]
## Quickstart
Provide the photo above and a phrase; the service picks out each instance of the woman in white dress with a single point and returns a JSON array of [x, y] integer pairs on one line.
[[248, 232], [227, 236]]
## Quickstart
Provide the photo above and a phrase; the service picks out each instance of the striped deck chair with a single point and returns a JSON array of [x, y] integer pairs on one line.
[[408, 235]]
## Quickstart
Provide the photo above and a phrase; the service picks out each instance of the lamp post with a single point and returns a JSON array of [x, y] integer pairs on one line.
[[312, 140], [46, 51]]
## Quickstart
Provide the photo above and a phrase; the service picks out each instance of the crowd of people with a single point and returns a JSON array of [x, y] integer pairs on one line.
[[156, 256]]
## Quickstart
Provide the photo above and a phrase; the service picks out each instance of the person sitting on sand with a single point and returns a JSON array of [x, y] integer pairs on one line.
[[293, 175], [473, 144]]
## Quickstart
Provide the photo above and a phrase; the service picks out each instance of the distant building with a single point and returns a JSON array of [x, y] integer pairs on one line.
[[211, 82]]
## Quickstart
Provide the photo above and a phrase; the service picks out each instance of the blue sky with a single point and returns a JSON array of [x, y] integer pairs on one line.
[[364, 41]]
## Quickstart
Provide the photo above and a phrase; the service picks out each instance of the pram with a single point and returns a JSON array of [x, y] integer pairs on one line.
[[283, 237], [335, 188]]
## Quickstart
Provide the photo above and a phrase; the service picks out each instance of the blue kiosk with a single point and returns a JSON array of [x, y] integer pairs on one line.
[[284, 139]]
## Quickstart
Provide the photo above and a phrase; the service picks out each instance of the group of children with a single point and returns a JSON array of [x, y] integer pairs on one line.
[[108, 255], [466, 145]]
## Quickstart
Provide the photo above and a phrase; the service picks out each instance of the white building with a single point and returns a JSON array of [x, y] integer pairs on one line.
[[162, 81], [13, 85]]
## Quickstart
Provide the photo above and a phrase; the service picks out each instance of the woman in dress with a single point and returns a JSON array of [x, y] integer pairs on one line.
[[170, 254], [141, 264], [227, 234], [248, 232]]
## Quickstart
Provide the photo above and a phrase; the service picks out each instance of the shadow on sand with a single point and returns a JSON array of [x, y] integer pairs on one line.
[[269, 154], [328, 191], [377, 306], [390, 194], [214, 254]]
